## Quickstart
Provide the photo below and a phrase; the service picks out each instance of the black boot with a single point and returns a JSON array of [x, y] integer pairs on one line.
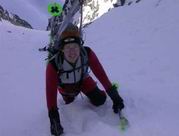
[[55, 126]]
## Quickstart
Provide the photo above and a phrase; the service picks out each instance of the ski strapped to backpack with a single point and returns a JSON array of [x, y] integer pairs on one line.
[[71, 7], [55, 53], [59, 23], [74, 8]]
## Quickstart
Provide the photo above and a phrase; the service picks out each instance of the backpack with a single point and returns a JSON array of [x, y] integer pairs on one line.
[[57, 62]]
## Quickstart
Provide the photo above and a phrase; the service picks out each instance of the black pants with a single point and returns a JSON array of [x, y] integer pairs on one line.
[[96, 97]]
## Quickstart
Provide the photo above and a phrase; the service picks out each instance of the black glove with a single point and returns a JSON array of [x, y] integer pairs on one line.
[[55, 125], [118, 104]]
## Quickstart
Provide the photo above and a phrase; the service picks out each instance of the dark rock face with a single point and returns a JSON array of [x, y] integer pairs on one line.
[[13, 18]]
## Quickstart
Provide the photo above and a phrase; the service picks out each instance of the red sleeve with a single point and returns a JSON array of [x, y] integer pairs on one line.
[[98, 70], [51, 86]]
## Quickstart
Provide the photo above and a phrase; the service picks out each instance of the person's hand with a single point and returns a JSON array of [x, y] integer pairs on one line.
[[118, 104]]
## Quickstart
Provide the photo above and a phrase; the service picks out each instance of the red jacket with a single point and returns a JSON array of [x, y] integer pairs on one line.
[[88, 83]]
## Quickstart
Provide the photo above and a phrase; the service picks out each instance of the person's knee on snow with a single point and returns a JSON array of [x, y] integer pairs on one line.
[[68, 99], [96, 96], [68, 96]]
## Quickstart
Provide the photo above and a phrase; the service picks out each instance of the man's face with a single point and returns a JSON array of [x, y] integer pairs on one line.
[[71, 52]]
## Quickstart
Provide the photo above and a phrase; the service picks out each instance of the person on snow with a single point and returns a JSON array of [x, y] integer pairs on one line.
[[67, 73]]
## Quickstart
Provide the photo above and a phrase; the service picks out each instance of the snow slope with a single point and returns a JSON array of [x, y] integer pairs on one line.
[[33, 11], [138, 46], [22, 79]]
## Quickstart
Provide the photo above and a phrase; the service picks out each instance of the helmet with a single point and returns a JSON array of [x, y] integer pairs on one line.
[[71, 35], [71, 30]]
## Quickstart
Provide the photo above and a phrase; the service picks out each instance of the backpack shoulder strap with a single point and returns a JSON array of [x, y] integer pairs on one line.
[[53, 64], [87, 49], [57, 62]]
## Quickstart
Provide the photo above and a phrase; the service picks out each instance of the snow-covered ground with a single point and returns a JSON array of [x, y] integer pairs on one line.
[[34, 12], [138, 46]]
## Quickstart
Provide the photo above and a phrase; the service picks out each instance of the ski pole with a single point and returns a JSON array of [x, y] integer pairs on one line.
[[123, 123]]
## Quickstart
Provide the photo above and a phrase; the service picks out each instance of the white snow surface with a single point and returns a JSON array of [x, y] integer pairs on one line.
[[138, 47], [33, 12]]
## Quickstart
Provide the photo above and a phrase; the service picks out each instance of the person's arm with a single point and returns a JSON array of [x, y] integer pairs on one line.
[[111, 90], [51, 86], [51, 96], [98, 70]]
